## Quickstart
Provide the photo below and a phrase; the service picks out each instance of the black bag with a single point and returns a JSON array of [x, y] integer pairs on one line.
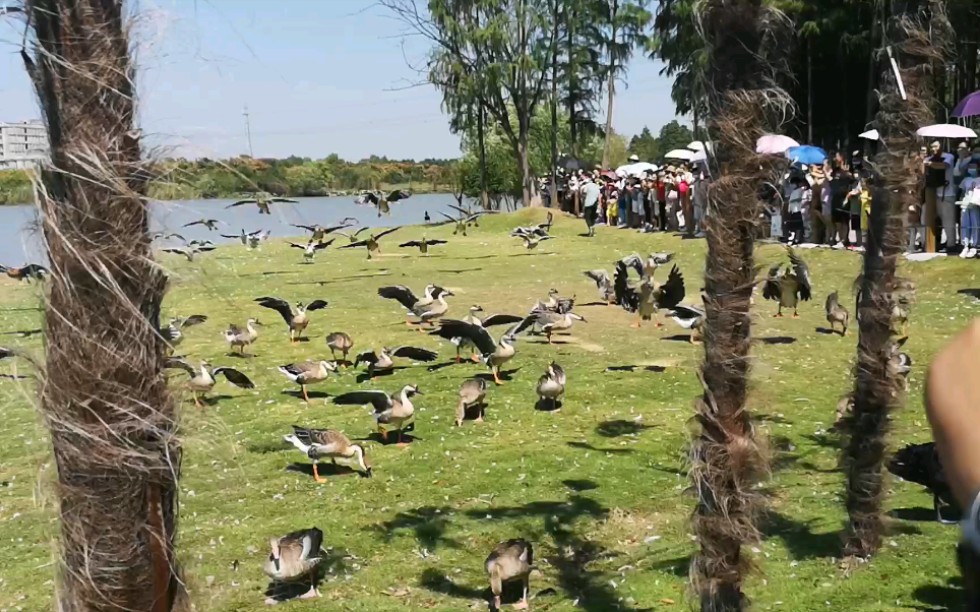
[[935, 177]]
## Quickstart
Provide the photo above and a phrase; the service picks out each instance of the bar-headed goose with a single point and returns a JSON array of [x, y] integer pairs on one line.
[[241, 337], [383, 360], [551, 386], [295, 318], [329, 444], [371, 242], [393, 411], [404, 296], [295, 557], [650, 296], [310, 248], [472, 393], [836, 313], [488, 321], [495, 353], [422, 245], [262, 202], [340, 341], [173, 332], [551, 322], [788, 286], [510, 560], [305, 373], [203, 379]]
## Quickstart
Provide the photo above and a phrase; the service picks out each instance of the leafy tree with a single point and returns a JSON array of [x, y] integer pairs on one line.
[[645, 146], [673, 135]]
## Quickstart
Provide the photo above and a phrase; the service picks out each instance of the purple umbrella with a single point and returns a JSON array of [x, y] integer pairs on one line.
[[968, 106]]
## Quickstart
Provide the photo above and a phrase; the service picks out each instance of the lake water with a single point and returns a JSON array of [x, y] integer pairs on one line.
[[20, 242]]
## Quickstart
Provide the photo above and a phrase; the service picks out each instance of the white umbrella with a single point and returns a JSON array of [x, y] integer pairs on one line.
[[697, 145], [639, 168], [774, 144], [946, 130], [870, 135], [624, 170], [683, 154], [699, 156]]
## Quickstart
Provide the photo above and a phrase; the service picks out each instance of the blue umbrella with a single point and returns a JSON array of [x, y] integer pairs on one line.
[[806, 154]]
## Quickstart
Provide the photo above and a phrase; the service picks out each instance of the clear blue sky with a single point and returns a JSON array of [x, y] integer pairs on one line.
[[319, 77]]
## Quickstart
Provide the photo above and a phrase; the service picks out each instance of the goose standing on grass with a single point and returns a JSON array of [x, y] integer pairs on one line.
[[603, 284], [689, 317], [551, 386], [490, 321], [371, 242], [173, 332], [495, 354], [409, 300], [319, 232], [422, 245], [383, 360], [262, 201], [310, 248], [394, 411], [257, 238], [329, 444], [305, 373], [203, 379], [836, 313], [340, 341], [236, 336], [211, 224], [472, 393], [294, 557], [296, 319], [788, 287], [919, 463], [510, 560]]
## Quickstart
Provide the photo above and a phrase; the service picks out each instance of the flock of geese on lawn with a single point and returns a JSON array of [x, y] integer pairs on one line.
[[632, 286]]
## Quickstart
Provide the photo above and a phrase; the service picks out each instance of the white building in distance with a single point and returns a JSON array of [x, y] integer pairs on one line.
[[22, 145]]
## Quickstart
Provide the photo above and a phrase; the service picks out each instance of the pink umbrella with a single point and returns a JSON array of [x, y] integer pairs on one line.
[[774, 144]]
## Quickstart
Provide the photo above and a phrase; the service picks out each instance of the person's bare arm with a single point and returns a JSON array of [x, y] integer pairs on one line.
[[953, 408]]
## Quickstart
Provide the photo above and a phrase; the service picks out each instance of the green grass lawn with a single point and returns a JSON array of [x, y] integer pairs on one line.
[[598, 487]]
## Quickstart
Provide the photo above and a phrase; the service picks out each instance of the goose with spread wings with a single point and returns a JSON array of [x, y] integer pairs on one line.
[[488, 321], [404, 296], [422, 245], [296, 318], [650, 296], [394, 411], [371, 242], [262, 201], [603, 284], [204, 377], [788, 286], [495, 353], [29, 271], [311, 248], [190, 251], [319, 232], [427, 310], [384, 360], [173, 333], [382, 201], [690, 317], [211, 224]]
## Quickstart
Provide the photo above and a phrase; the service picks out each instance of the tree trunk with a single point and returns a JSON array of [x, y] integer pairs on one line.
[[482, 146], [103, 394], [869, 104], [572, 81], [726, 462], [524, 167], [553, 188], [611, 85], [878, 388], [809, 89]]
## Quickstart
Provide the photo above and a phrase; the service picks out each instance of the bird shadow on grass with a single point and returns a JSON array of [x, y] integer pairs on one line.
[[572, 554], [14, 376], [973, 293], [391, 440], [268, 446], [213, 400], [678, 338], [428, 524], [823, 439], [504, 375], [330, 561], [548, 404], [936, 597], [828, 332], [589, 447], [634, 368], [439, 366], [593, 304], [460, 271], [920, 514], [777, 340], [437, 582], [615, 428], [325, 470], [491, 256], [364, 376], [23, 333], [312, 394], [579, 485], [799, 538]]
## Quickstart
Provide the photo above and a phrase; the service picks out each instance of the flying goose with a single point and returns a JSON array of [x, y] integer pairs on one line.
[[189, 251], [256, 238], [203, 379], [836, 313], [406, 298], [389, 410], [510, 560], [173, 333], [539, 230], [262, 201], [236, 336], [371, 242], [295, 557], [472, 392], [788, 286], [604, 284], [490, 321], [382, 201], [352, 236], [242, 237], [531, 241], [304, 373], [383, 360], [422, 245], [211, 224], [551, 386], [296, 319], [320, 232], [495, 354], [339, 341], [650, 297], [329, 444], [310, 248]]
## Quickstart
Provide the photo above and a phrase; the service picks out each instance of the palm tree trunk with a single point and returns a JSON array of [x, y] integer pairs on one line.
[[726, 462], [570, 18], [611, 94], [554, 104], [809, 89], [481, 118], [878, 388], [103, 394]]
